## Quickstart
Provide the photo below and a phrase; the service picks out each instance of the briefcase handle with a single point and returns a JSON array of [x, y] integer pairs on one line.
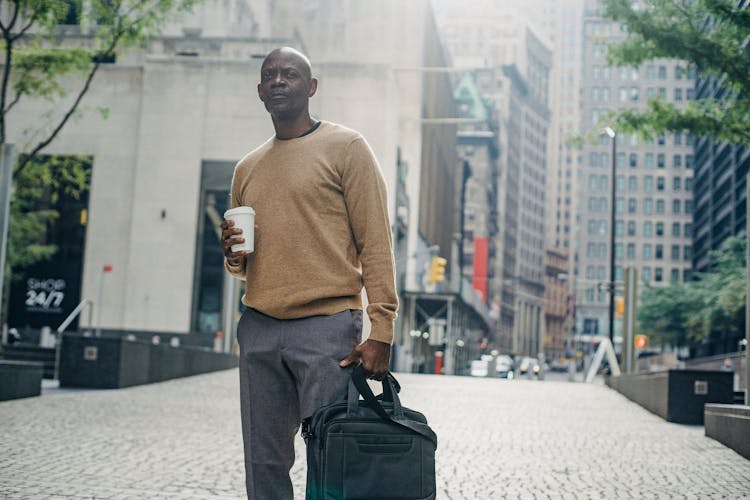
[[358, 385]]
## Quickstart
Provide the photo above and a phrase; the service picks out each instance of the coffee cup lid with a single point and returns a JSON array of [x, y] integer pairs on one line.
[[238, 211]]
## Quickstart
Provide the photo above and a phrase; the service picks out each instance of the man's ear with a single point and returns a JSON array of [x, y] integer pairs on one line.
[[260, 92], [313, 87]]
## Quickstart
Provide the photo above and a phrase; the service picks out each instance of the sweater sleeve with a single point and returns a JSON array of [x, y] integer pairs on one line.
[[366, 202], [240, 270]]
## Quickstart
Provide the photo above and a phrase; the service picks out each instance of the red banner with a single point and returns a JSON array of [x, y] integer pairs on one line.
[[481, 260]]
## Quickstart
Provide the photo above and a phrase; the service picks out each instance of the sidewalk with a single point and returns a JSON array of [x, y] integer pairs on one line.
[[497, 439]]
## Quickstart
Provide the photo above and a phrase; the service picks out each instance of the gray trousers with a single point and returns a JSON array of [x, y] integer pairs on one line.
[[288, 369]]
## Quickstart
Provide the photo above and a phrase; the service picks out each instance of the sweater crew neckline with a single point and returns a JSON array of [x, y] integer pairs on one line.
[[297, 140]]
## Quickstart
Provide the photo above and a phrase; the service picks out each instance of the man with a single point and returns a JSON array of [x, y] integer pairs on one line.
[[322, 233]]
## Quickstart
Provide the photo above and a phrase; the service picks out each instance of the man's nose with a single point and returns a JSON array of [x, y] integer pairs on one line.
[[278, 79]]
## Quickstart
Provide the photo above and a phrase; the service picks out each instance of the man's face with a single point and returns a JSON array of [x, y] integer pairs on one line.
[[285, 85]]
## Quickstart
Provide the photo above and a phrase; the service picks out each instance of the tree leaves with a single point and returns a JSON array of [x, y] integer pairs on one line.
[[711, 35], [713, 302]]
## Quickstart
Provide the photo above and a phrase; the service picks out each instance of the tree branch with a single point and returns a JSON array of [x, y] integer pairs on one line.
[[42, 144], [12, 103]]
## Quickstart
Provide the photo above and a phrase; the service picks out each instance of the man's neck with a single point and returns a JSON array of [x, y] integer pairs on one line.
[[289, 129]]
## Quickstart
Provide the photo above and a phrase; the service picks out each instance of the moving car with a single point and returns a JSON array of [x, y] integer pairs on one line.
[[504, 366]]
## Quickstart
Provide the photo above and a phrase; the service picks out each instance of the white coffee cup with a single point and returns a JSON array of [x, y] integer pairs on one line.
[[244, 218]]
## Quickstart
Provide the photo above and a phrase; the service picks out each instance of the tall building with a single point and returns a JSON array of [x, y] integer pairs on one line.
[[512, 67], [653, 178], [721, 171]]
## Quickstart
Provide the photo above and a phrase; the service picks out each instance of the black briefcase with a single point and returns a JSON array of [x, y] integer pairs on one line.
[[371, 449]]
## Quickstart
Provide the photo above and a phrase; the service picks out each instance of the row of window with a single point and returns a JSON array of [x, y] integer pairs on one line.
[[650, 206], [632, 94], [650, 160], [630, 228], [678, 139], [649, 251], [601, 72], [601, 182], [594, 295]]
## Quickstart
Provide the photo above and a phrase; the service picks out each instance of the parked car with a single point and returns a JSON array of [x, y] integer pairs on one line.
[[504, 366]]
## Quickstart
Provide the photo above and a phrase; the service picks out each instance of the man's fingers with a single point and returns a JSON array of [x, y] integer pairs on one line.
[[349, 360]]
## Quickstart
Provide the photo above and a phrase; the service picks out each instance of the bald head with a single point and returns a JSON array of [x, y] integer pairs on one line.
[[290, 54]]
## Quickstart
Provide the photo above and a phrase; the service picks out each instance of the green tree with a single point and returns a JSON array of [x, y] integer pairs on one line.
[[713, 303], [708, 35]]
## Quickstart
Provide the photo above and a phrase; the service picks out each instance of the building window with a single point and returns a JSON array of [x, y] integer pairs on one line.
[[650, 72], [648, 160], [632, 205], [633, 160], [650, 91], [677, 161], [632, 183], [662, 92], [631, 228], [620, 205], [662, 72], [659, 229], [687, 252], [659, 252], [618, 273], [634, 93], [677, 138], [602, 227], [631, 251], [676, 229], [679, 71], [602, 250], [623, 94], [590, 273], [660, 161], [592, 228], [660, 183], [646, 274], [618, 251], [675, 252], [620, 160], [619, 228], [648, 184], [647, 254], [648, 206], [660, 206], [676, 184], [594, 159], [657, 274], [593, 182], [677, 94], [620, 183], [676, 207], [688, 161], [590, 250], [675, 276], [688, 184], [689, 94], [688, 231], [648, 229], [688, 206]]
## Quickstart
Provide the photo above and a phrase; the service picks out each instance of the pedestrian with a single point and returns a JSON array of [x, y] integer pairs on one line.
[[322, 234]]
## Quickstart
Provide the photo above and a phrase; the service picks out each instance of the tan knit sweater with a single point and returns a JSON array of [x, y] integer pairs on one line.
[[322, 228]]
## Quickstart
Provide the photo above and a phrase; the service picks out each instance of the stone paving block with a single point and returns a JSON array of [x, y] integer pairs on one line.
[[181, 439]]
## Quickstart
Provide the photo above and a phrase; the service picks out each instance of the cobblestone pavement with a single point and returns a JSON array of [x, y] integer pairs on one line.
[[497, 439]]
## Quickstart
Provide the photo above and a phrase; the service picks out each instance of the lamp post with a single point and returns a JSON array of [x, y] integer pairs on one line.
[[612, 136]]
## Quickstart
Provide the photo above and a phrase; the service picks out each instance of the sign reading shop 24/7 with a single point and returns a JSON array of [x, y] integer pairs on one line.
[[46, 296]]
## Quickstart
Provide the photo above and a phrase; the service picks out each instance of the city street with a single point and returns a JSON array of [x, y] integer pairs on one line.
[[497, 439]]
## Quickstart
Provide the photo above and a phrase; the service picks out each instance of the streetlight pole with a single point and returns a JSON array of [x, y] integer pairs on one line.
[[612, 136]]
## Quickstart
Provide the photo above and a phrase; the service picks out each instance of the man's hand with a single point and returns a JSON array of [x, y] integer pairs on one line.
[[373, 355], [227, 240]]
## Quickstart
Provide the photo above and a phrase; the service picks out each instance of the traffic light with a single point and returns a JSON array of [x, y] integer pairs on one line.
[[619, 307], [640, 341], [437, 270]]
